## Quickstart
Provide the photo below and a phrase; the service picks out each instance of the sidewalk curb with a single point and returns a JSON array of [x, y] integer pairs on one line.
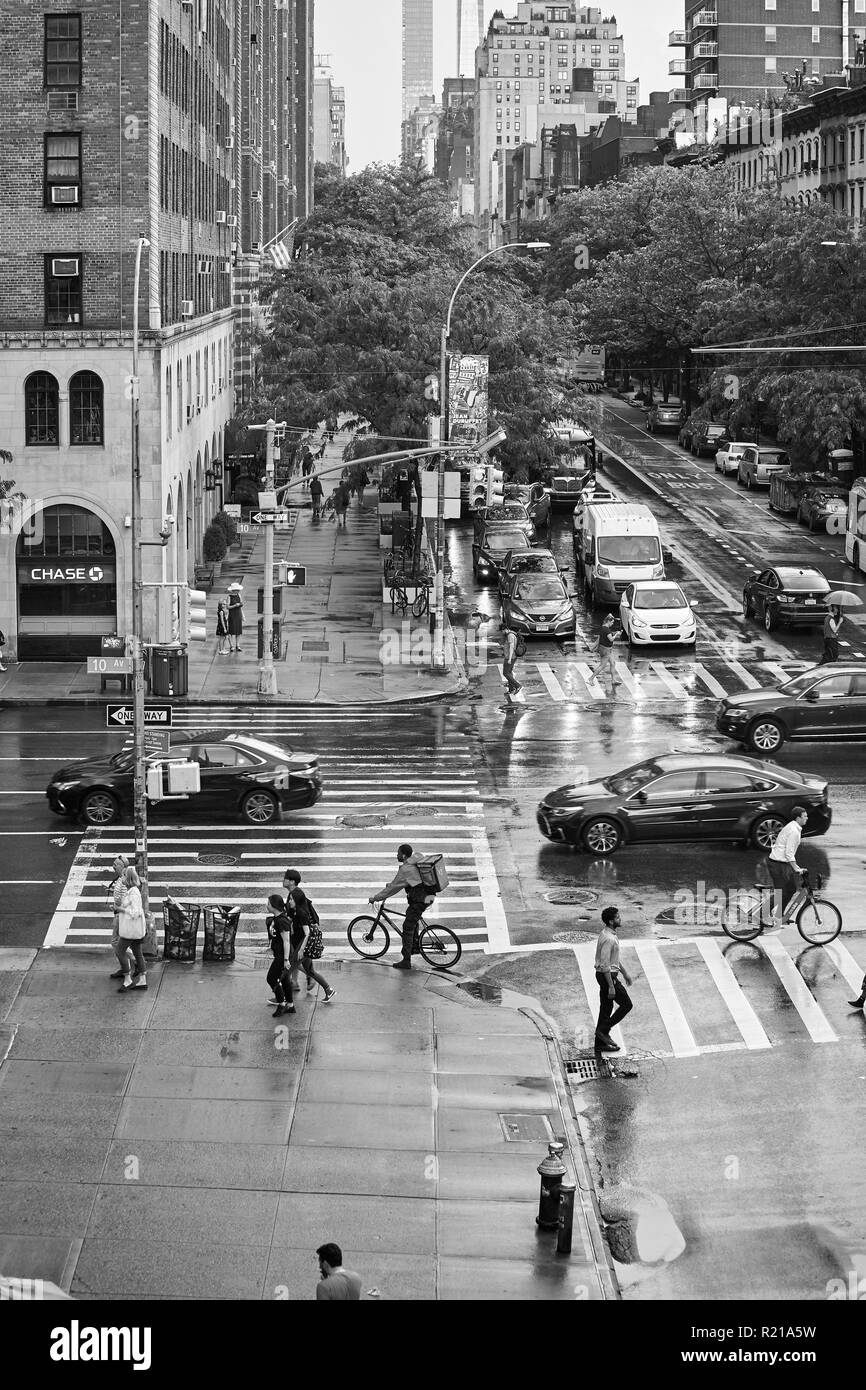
[[19, 702]]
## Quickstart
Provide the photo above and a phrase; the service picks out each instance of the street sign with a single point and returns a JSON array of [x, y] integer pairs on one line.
[[276, 514], [112, 646], [268, 500], [119, 716], [157, 743], [109, 665]]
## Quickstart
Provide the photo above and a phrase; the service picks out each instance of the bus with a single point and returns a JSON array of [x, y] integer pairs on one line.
[[855, 526]]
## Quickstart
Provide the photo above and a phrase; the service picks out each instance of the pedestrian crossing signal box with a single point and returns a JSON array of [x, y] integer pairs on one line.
[[172, 781], [292, 576]]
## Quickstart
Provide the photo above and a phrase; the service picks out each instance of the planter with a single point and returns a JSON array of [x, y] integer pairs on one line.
[[386, 508]]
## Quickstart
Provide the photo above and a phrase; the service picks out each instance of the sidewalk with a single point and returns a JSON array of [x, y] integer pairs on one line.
[[180, 1144], [330, 629]]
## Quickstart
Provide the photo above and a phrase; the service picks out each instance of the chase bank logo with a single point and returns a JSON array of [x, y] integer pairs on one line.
[[94, 574]]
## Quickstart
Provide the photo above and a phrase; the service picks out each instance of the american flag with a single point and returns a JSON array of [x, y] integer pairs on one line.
[[281, 254]]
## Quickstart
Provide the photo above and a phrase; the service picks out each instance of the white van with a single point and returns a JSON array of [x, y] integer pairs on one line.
[[616, 543]]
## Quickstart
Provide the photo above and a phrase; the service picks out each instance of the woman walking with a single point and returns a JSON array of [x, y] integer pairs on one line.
[[132, 930], [115, 898], [236, 615], [279, 935], [222, 627], [306, 933], [832, 625]]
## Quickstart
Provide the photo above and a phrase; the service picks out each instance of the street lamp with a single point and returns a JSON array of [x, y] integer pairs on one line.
[[439, 605], [138, 775]]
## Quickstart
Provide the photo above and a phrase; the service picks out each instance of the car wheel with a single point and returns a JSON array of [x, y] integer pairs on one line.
[[764, 831], [765, 735], [99, 808], [748, 611], [260, 808], [769, 618], [601, 837], [739, 479]]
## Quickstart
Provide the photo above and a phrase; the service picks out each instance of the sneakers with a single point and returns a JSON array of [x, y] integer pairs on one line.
[[139, 982], [857, 1003], [329, 994], [401, 965], [117, 975]]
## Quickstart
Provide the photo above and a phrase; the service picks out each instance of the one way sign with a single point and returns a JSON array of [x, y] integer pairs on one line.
[[119, 716]]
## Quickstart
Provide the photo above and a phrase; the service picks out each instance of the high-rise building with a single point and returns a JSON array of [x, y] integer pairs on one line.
[[419, 133], [417, 53], [329, 119], [470, 30], [455, 144], [742, 52]]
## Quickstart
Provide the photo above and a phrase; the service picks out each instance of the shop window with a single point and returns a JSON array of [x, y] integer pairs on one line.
[[85, 409], [41, 409], [66, 531]]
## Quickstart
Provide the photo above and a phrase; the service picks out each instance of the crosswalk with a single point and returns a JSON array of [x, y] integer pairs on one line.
[[704, 994], [378, 791], [646, 679]]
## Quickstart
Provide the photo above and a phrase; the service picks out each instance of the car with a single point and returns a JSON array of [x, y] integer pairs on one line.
[[728, 457], [708, 439], [687, 431], [536, 500], [664, 417], [820, 505], [527, 562], [538, 605], [828, 702], [239, 776], [656, 610], [757, 464], [490, 548], [686, 796], [506, 514], [786, 597]]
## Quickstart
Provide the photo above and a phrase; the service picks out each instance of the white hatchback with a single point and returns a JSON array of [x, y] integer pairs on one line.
[[728, 458], [655, 611]]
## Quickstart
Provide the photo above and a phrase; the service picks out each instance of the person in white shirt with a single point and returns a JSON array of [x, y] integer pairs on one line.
[[614, 1001], [782, 863]]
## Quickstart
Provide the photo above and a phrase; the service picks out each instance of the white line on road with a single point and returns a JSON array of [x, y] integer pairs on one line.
[[735, 1001], [673, 685], [554, 689], [65, 911], [845, 963], [740, 671], [672, 1016], [709, 681], [586, 674], [801, 996], [491, 896], [630, 680]]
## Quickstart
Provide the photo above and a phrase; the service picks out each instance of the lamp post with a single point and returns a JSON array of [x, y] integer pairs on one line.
[[439, 604], [139, 787]]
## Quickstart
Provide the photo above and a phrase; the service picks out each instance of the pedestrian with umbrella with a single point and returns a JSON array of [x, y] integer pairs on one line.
[[837, 600]]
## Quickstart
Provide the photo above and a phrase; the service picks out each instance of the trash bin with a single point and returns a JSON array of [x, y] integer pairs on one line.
[[276, 640], [169, 673], [220, 930], [180, 925]]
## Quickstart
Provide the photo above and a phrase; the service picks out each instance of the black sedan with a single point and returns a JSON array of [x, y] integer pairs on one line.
[[708, 438], [786, 597], [490, 548], [239, 775], [694, 796], [538, 605], [826, 702]]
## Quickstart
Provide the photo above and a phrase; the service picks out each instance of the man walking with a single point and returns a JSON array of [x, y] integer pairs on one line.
[[408, 876], [317, 492], [606, 640], [614, 1002], [510, 652], [337, 1285], [782, 863]]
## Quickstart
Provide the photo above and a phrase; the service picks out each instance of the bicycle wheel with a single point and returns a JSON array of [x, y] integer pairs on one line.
[[439, 947], [819, 921], [421, 604], [742, 919], [369, 937]]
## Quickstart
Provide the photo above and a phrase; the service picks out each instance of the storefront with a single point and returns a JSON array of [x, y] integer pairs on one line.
[[67, 585]]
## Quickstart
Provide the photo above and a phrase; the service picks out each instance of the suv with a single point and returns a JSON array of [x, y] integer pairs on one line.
[[708, 439], [758, 464], [786, 596], [664, 416]]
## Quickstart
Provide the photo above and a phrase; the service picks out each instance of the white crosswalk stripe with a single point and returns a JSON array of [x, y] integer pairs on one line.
[[652, 681], [344, 847]]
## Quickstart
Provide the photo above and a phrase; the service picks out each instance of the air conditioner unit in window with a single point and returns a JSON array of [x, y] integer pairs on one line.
[[229, 142], [62, 101], [186, 308], [64, 193], [220, 215], [227, 267], [64, 268], [204, 267], [199, 402], [232, 220]]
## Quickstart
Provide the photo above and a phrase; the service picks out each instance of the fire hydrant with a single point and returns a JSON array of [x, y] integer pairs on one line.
[[551, 1170]]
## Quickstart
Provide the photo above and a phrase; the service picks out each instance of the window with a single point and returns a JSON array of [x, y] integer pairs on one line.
[[614, 62], [860, 6], [613, 48], [833, 688], [498, 125], [499, 112], [168, 403], [63, 289], [816, 33], [499, 139], [41, 409], [770, 33], [595, 48], [816, 6], [499, 86], [595, 62], [63, 50], [67, 530], [85, 409], [717, 783], [769, 4], [681, 785], [179, 397], [769, 64], [631, 102], [62, 170], [862, 142]]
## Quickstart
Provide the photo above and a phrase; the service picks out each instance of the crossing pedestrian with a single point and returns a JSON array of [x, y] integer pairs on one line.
[[298, 908], [115, 898], [307, 938], [832, 627], [337, 1285], [782, 863], [607, 639], [408, 877], [236, 615], [279, 929], [317, 492], [858, 1003], [614, 1002], [511, 650], [222, 627], [132, 929]]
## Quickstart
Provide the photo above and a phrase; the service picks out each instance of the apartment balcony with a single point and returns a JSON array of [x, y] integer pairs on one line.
[[705, 50], [680, 96], [706, 80], [679, 67], [678, 38], [704, 19]]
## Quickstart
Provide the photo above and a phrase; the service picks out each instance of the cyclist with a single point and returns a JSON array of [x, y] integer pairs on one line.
[[782, 863], [407, 876]]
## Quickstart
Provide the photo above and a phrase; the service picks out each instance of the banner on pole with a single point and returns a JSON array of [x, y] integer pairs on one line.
[[467, 398]]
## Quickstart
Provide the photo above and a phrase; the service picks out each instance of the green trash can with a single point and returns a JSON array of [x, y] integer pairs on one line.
[[169, 671]]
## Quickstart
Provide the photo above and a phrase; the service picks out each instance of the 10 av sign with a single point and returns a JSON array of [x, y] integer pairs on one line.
[[118, 716]]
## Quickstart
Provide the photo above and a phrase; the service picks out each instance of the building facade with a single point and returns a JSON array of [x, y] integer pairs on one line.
[[417, 53], [419, 133], [470, 31], [455, 144], [329, 120]]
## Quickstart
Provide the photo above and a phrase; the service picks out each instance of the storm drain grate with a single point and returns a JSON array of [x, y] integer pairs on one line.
[[218, 860], [526, 1129], [584, 1069]]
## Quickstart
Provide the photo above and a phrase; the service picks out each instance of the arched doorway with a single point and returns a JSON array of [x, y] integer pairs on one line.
[[66, 571]]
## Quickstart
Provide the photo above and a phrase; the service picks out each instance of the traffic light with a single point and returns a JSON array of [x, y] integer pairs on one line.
[[479, 487], [174, 618], [495, 485], [194, 609]]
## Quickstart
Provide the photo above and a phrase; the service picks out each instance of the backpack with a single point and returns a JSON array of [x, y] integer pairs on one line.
[[313, 914], [434, 875], [520, 649]]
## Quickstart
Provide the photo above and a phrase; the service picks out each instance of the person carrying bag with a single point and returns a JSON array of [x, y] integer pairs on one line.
[[132, 929]]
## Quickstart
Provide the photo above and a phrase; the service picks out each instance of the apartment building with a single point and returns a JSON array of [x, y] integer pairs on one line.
[[329, 119]]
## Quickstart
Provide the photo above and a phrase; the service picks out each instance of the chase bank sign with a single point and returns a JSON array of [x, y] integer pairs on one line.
[[66, 574]]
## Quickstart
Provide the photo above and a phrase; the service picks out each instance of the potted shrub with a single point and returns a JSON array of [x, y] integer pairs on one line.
[[214, 546], [228, 525]]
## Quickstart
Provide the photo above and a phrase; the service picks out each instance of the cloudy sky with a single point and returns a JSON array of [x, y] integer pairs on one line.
[[363, 42]]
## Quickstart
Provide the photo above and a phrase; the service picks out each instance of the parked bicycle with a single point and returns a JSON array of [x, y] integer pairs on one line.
[[371, 937], [422, 598], [818, 920]]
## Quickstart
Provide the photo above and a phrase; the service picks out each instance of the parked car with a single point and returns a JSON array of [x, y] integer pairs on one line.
[[538, 605], [687, 430], [239, 775], [826, 702], [664, 418], [490, 548], [728, 457], [508, 514], [688, 796], [786, 597], [526, 562], [819, 504], [758, 464], [708, 438], [656, 610]]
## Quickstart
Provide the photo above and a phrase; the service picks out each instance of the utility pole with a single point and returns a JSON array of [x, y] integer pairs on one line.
[[439, 592], [139, 786], [267, 674]]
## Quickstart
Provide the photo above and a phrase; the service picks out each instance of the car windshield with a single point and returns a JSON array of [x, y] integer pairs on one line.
[[540, 590], [634, 778], [715, 431], [500, 541], [529, 563], [799, 685], [771, 456], [628, 550], [809, 582], [660, 598]]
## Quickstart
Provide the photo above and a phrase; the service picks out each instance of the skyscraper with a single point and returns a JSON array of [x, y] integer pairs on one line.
[[470, 28], [417, 52]]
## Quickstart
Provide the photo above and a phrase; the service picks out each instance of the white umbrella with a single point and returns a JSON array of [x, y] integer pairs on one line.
[[840, 598]]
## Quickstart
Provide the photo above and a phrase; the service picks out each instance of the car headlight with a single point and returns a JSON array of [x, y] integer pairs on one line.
[[517, 611], [639, 622], [555, 811], [63, 786], [658, 572], [566, 611], [602, 572]]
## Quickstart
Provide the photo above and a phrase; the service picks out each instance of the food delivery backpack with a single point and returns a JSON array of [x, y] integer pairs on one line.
[[434, 875]]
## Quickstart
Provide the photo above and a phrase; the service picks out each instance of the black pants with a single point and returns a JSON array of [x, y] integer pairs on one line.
[[409, 929], [784, 880], [830, 652], [280, 980], [611, 1011]]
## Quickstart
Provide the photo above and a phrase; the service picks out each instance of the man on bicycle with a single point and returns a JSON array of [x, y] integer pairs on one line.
[[407, 876], [782, 863]]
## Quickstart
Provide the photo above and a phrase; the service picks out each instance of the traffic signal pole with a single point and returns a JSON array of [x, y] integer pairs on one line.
[[439, 600], [267, 674], [139, 786]]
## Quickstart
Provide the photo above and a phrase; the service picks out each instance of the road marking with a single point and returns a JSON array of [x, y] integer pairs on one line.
[[585, 957], [587, 676], [5, 881], [52, 833], [798, 991], [709, 681], [630, 680], [554, 689], [735, 1001], [672, 1016], [491, 895], [742, 674], [851, 972], [670, 681], [67, 904]]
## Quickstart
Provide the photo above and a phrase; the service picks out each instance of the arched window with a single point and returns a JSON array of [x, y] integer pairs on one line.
[[168, 402], [179, 397], [41, 409], [85, 409], [189, 400]]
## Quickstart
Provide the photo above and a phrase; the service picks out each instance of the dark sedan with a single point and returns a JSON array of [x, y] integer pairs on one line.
[[826, 702], [819, 505], [525, 562], [538, 605], [490, 548], [786, 597], [675, 797], [239, 776], [707, 439]]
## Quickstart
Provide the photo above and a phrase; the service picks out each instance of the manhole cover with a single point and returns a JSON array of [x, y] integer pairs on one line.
[[583, 1069], [217, 860], [362, 822], [573, 938], [584, 897]]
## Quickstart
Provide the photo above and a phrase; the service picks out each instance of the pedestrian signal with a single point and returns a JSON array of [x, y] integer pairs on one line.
[[175, 616], [478, 491], [495, 486], [195, 626]]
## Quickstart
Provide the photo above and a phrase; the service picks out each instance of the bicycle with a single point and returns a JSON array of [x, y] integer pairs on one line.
[[397, 560], [370, 937], [399, 599], [422, 599], [818, 920]]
